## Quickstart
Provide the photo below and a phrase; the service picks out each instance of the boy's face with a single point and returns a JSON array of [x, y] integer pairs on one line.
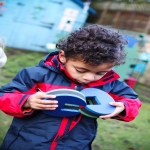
[[84, 73]]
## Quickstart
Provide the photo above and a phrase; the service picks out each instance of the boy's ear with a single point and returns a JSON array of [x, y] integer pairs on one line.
[[62, 57]]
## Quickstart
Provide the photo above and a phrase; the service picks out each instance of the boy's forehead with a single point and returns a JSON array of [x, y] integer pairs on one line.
[[81, 61]]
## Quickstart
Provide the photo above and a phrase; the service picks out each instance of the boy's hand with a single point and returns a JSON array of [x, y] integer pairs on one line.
[[119, 108], [36, 101]]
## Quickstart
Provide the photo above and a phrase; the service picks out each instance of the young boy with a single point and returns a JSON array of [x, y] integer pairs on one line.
[[85, 59]]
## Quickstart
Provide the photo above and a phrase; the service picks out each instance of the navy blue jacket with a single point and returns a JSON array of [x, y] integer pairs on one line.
[[34, 130]]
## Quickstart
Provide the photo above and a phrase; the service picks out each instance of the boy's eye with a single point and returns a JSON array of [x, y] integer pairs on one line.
[[80, 71], [102, 74]]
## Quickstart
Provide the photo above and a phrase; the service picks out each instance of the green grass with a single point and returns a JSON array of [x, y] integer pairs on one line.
[[117, 135], [18, 59], [5, 121], [143, 91], [112, 134]]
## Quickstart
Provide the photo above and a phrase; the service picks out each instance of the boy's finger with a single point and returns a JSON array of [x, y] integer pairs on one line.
[[47, 102], [116, 103], [44, 95], [105, 117], [48, 96], [115, 113], [46, 107]]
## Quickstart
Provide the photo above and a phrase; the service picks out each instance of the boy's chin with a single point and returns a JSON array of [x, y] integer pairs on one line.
[[81, 82]]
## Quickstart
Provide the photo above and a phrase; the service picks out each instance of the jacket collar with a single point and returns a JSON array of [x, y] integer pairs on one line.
[[108, 77]]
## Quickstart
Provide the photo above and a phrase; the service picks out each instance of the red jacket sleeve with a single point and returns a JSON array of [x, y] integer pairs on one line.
[[131, 109], [14, 94], [121, 92], [11, 104]]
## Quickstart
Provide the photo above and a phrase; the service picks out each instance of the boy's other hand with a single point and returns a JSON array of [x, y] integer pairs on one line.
[[36, 101], [119, 108]]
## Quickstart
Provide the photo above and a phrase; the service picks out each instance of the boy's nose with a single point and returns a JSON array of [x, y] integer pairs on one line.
[[89, 77]]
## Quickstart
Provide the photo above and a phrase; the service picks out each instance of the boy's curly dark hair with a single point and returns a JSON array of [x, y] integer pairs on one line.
[[94, 45]]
